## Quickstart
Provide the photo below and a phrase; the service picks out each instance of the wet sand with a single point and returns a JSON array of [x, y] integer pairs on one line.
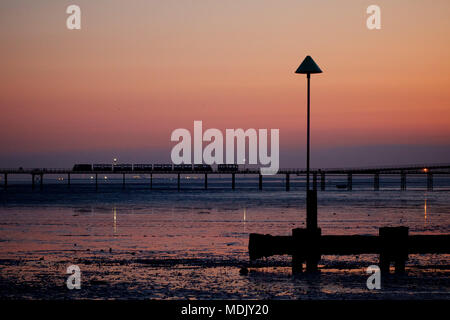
[[139, 276], [190, 245]]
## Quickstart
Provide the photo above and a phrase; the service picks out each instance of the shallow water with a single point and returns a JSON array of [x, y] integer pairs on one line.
[[162, 243]]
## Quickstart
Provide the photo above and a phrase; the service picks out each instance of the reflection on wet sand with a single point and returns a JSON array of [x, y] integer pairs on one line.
[[244, 220], [115, 220]]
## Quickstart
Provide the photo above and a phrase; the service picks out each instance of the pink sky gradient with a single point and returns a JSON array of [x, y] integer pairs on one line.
[[137, 70]]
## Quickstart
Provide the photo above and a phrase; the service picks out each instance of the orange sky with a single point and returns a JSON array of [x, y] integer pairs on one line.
[[137, 70]]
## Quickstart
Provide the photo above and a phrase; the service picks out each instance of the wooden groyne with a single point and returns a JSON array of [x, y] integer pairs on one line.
[[393, 245]]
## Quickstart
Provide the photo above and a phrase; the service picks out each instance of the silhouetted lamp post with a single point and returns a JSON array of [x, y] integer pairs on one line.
[[308, 66]]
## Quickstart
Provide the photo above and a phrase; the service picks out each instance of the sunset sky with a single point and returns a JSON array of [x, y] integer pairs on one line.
[[139, 69]]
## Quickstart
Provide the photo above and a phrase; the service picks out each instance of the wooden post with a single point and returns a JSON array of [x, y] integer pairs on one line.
[[311, 209], [376, 182], [123, 180], [206, 181], [393, 248], [306, 247], [313, 232], [429, 181], [179, 182], [96, 181], [233, 181], [313, 250], [151, 181], [32, 181], [322, 181], [349, 182], [288, 187], [260, 181], [298, 236]]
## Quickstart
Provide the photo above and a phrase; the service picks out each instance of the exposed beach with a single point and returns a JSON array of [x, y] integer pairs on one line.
[[163, 244]]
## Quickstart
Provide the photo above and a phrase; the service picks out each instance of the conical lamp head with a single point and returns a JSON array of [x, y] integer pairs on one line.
[[308, 66]]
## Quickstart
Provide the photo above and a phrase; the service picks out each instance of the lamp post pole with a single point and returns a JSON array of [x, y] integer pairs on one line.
[[307, 138], [312, 231], [308, 66]]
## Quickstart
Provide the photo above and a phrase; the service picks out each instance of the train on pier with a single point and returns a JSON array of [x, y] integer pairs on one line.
[[126, 167]]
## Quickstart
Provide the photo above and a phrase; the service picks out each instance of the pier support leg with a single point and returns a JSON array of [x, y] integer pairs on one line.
[[96, 181], [376, 182], [322, 181], [349, 182], [288, 187], [260, 181], [233, 181], [41, 182], [403, 181], [6, 181], [179, 182], [123, 180], [151, 181], [68, 179], [314, 180], [206, 181], [32, 181], [429, 181]]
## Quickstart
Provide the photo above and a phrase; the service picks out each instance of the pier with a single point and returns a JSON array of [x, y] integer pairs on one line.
[[37, 175]]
